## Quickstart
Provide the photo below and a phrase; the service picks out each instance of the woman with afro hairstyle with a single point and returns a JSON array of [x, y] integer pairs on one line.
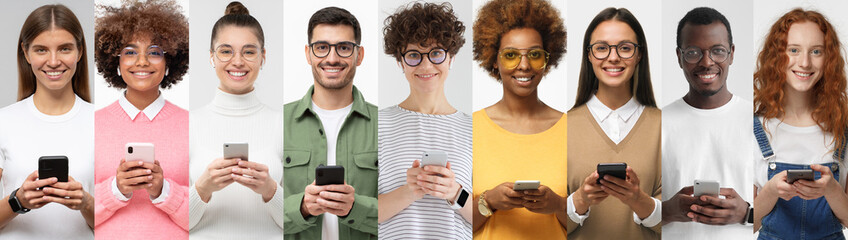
[[141, 47], [800, 124], [414, 200], [520, 137]]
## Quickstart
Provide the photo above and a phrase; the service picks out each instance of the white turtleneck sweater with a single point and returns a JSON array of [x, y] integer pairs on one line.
[[236, 212]]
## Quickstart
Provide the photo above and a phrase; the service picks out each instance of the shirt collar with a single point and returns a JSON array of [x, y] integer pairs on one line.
[[150, 111], [360, 107], [624, 112]]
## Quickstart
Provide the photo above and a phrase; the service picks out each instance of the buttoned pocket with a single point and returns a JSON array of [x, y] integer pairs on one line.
[[364, 176], [296, 170]]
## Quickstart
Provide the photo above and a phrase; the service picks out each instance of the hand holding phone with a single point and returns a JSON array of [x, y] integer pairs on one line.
[[236, 150], [793, 175], [521, 185], [434, 158], [706, 187], [327, 175], [618, 170], [53, 166]]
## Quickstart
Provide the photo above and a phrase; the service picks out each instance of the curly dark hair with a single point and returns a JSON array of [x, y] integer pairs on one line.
[[161, 20], [497, 17], [423, 24]]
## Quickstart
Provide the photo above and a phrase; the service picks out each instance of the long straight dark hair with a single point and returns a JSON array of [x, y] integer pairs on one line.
[[43, 19], [588, 82]]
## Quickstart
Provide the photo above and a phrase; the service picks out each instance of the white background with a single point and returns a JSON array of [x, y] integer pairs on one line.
[[394, 87], [581, 14], [269, 83], [177, 94], [13, 20], [487, 91], [298, 74], [740, 74]]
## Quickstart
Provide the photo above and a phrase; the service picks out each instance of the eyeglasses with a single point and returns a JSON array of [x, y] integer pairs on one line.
[[343, 49], [129, 55], [624, 50], [511, 57], [414, 57], [718, 54], [225, 53]]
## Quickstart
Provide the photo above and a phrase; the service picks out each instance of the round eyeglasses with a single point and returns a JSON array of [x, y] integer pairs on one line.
[[225, 53], [718, 54], [413, 58], [624, 50], [511, 57], [322, 49], [130, 55]]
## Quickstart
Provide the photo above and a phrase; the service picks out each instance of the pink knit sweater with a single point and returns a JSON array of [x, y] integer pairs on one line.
[[139, 218]]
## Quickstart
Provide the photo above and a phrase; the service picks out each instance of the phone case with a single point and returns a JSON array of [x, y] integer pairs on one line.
[[328, 175], [706, 187], [526, 185], [793, 175], [53, 166], [437, 158], [236, 150], [618, 170], [139, 152]]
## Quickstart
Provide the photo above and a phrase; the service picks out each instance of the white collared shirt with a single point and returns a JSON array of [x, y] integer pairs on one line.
[[150, 111], [616, 123]]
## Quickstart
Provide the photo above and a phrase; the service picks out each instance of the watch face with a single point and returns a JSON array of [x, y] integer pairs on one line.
[[463, 196]]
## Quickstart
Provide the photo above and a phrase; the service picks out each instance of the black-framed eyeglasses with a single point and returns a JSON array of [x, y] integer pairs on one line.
[[225, 53], [718, 54], [129, 55], [413, 58], [624, 50], [343, 49]]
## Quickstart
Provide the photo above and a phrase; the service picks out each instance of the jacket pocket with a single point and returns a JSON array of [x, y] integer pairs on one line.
[[365, 175], [296, 170]]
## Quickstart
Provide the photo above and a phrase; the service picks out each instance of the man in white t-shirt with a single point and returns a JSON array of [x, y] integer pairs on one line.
[[331, 125], [706, 136]]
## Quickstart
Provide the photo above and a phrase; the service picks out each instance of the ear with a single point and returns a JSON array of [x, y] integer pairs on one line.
[[306, 54], [26, 54], [679, 58], [732, 51], [360, 56], [263, 58], [79, 55]]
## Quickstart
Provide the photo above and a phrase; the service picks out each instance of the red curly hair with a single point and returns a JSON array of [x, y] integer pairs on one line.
[[828, 95]]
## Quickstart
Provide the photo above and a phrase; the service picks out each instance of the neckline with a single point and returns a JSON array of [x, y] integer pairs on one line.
[[30, 103], [404, 110], [235, 104], [612, 145], [562, 120]]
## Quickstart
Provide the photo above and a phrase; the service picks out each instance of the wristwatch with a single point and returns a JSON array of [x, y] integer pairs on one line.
[[15, 204], [749, 217], [459, 202], [483, 207]]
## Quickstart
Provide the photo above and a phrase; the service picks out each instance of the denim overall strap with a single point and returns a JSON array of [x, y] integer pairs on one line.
[[762, 139]]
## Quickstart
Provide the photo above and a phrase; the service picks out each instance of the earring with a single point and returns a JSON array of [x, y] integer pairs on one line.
[[212, 62], [119, 71], [166, 71]]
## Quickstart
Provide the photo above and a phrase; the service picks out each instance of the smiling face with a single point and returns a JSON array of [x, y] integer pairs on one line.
[[805, 48], [53, 57], [140, 73], [426, 77], [238, 73], [706, 77], [523, 79], [332, 71], [614, 71]]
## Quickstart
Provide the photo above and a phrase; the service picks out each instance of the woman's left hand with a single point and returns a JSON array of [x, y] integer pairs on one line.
[[815, 189], [543, 200], [154, 188], [439, 182], [626, 190], [69, 194], [255, 176]]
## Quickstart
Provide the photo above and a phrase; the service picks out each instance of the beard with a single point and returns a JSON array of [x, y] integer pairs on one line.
[[708, 92], [334, 85]]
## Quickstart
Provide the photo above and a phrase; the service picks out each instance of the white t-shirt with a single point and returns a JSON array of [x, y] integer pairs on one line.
[[708, 144], [332, 121], [27, 134], [795, 145]]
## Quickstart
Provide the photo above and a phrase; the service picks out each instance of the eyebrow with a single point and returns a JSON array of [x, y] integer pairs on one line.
[[72, 44], [623, 41], [798, 45]]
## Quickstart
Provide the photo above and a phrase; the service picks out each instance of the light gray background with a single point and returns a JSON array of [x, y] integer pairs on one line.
[[767, 12], [741, 72], [177, 94], [13, 20], [394, 87], [487, 91], [269, 82], [298, 74], [581, 14]]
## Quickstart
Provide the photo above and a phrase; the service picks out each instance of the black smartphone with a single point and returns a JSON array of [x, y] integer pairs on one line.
[[793, 175], [618, 170], [53, 166], [328, 175]]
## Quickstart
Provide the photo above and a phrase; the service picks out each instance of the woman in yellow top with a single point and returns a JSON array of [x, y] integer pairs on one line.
[[519, 137]]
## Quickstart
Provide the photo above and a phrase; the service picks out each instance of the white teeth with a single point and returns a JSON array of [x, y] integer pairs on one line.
[[53, 73], [332, 70], [141, 73], [238, 74], [707, 76], [426, 75], [522, 79], [803, 74], [614, 69]]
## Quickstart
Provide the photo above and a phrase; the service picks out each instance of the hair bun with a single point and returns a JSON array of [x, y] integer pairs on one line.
[[236, 8]]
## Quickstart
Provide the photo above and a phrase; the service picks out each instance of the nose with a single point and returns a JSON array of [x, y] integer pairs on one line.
[[706, 59], [142, 60], [523, 65], [613, 55], [804, 61], [425, 62], [54, 60], [333, 55], [237, 59]]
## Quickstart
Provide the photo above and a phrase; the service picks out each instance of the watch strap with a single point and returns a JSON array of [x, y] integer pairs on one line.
[[15, 204]]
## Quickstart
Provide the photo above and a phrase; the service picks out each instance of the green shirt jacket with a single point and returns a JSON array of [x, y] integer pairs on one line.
[[305, 147]]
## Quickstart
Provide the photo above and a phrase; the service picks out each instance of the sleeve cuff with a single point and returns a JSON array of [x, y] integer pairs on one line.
[[166, 189], [572, 211], [653, 219], [294, 221], [117, 192]]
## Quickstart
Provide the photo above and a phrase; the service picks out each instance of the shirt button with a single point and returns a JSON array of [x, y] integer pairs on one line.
[[288, 159], [321, 131], [350, 221]]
